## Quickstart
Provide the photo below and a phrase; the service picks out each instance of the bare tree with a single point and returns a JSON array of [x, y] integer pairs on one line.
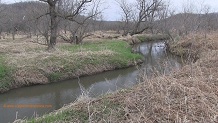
[[80, 17], [162, 23], [207, 21], [143, 14], [77, 32], [190, 19], [53, 22], [42, 26], [57, 9], [146, 13], [37, 22], [2, 8], [127, 15]]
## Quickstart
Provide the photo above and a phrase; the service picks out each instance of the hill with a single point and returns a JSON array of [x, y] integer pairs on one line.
[[189, 22], [16, 16]]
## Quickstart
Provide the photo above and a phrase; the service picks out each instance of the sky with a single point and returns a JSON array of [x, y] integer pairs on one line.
[[112, 10]]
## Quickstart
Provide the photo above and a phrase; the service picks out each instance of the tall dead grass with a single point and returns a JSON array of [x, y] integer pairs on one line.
[[186, 96], [30, 64], [193, 45], [189, 95]]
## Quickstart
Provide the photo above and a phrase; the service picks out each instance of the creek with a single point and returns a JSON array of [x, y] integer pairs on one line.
[[28, 102]]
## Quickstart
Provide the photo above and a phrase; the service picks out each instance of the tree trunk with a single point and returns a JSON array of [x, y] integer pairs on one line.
[[30, 34], [65, 29], [13, 35], [54, 26], [77, 40], [37, 37], [135, 30]]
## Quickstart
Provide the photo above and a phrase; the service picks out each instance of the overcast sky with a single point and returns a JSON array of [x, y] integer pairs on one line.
[[112, 10]]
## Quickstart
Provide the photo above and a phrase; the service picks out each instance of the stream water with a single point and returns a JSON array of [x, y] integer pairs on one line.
[[28, 102]]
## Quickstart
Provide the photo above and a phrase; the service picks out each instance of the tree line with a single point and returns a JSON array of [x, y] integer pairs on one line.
[[73, 20]]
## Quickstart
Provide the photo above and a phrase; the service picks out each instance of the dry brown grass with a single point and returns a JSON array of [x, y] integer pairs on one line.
[[29, 63], [32, 67], [18, 46], [104, 35], [193, 45], [189, 95]]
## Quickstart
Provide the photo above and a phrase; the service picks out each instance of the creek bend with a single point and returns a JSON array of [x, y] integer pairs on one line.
[[56, 95]]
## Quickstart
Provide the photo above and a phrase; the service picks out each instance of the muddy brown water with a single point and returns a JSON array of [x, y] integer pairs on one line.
[[37, 100]]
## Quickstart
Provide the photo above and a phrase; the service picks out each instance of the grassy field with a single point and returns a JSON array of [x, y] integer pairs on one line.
[[185, 96], [23, 63]]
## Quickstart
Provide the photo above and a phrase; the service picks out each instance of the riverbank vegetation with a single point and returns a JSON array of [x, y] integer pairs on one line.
[[186, 95], [27, 64], [46, 41], [157, 37]]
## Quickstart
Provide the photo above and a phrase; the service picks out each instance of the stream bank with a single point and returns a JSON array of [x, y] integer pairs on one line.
[[156, 60], [34, 66], [186, 95]]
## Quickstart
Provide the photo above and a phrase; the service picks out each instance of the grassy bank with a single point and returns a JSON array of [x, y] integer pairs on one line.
[[192, 46], [146, 38], [188, 95], [5, 78], [32, 65], [139, 38]]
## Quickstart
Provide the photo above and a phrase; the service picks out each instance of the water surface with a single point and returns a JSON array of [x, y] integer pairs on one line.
[[56, 95]]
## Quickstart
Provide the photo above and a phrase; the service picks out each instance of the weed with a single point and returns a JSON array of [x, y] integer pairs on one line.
[[5, 79], [3, 68], [54, 77], [68, 61], [146, 38], [66, 115], [188, 95]]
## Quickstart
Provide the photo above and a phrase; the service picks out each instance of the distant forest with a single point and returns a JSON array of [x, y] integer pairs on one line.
[[73, 21]]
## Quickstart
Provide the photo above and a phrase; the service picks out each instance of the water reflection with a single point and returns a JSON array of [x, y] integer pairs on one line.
[[59, 94], [157, 59]]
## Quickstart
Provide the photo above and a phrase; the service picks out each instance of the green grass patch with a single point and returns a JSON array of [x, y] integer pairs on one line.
[[100, 110], [122, 57], [3, 68], [54, 77], [70, 61], [66, 115], [5, 78], [115, 54]]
